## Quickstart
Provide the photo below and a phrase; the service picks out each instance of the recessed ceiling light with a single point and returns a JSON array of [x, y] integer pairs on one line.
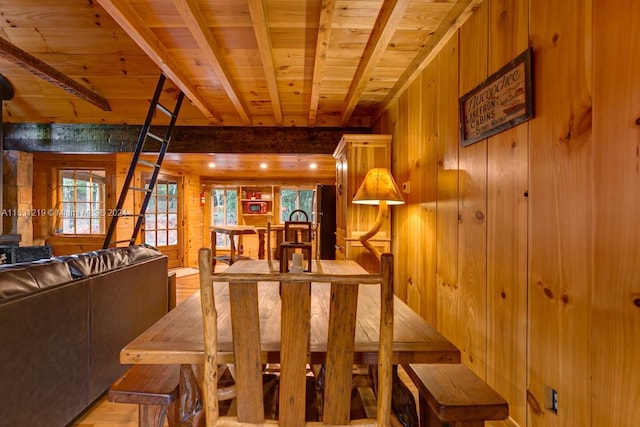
[[263, 165], [313, 166], [212, 165]]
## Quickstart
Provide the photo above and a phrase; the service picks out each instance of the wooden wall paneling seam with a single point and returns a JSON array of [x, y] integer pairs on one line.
[[561, 205], [448, 187], [615, 299], [428, 190], [472, 279], [507, 209]]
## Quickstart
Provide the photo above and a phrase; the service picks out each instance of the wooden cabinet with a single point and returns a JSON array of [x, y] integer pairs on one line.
[[355, 155], [257, 204]]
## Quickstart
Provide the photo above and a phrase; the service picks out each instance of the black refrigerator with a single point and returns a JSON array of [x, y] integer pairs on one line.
[[324, 211]]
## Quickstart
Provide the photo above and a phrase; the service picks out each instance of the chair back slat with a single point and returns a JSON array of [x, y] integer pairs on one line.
[[295, 309], [294, 351], [245, 327], [340, 342]]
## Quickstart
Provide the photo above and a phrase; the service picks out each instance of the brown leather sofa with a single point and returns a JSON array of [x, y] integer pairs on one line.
[[63, 322]]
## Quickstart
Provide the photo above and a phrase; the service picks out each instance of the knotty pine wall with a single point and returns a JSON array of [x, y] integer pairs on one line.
[[528, 241]]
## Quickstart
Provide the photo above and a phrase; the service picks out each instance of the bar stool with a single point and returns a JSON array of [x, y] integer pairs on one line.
[[300, 233]]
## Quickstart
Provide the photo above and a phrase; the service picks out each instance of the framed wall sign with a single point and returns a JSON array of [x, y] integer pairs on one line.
[[503, 100]]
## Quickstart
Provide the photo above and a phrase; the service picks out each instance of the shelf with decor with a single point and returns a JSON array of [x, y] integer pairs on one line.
[[257, 204]]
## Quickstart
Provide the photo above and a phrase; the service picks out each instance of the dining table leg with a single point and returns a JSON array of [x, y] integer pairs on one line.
[[191, 403]]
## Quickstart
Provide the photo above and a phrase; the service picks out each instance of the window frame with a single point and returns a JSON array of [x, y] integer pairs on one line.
[[96, 209], [298, 190], [163, 179], [224, 238]]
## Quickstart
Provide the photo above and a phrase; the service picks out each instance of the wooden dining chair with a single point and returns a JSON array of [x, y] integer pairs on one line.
[[294, 350], [298, 235]]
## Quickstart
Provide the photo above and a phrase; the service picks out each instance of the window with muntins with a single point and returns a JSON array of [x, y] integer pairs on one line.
[[81, 201], [224, 212], [161, 216]]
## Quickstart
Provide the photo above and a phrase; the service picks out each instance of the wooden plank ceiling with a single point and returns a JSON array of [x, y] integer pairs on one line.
[[301, 63], [241, 63]]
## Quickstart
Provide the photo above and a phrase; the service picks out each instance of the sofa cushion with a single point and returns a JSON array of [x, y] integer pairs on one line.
[[140, 252], [85, 264], [16, 281], [114, 258], [50, 273]]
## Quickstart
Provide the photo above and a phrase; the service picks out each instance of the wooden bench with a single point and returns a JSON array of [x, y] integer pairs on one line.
[[453, 394], [154, 388]]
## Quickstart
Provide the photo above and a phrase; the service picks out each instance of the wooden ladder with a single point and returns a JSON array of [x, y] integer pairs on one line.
[[147, 190]]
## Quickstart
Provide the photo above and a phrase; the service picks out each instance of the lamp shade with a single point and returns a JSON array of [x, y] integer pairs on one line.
[[378, 185]]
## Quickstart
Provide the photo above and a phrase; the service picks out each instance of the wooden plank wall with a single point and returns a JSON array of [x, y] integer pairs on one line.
[[615, 299], [530, 262]]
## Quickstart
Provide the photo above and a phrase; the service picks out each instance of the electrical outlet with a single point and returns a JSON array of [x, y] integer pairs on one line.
[[551, 399], [406, 187]]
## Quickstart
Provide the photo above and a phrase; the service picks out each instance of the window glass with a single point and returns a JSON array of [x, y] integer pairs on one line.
[[161, 216], [81, 204], [294, 199], [224, 212]]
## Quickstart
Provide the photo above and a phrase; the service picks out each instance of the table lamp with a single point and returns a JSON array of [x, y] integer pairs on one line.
[[378, 188]]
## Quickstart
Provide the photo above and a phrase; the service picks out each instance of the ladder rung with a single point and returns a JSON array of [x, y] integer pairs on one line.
[[164, 110], [148, 163], [154, 136], [145, 190]]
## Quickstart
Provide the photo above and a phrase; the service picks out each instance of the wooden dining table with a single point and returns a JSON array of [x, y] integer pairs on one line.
[[177, 338], [232, 231]]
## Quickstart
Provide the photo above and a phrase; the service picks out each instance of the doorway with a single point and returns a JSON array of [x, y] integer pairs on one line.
[[162, 225]]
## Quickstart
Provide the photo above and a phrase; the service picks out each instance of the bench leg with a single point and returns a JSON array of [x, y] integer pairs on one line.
[[429, 419], [151, 415]]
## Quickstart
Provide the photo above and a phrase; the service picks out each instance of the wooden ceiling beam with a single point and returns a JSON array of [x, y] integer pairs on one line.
[[322, 49], [263, 37], [72, 138], [389, 18], [197, 26], [457, 16], [124, 14], [14, 54]]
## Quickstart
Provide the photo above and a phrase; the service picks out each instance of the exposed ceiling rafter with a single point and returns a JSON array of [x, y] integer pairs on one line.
[[124, 14], [389, 18], [197, 26], [46, 72], [457, 16], [261, 29], [322, 48]]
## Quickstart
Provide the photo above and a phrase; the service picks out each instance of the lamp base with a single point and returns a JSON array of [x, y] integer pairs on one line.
[[364, 239]]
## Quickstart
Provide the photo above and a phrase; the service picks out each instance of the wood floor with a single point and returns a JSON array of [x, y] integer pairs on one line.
[[106, 414]]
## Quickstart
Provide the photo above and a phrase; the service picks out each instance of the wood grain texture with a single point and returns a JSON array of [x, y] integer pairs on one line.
[[507, 232], [428, 191], [448, 176], [561, 206], [615, 299], [455, 393], [245, 325], [472, 231]]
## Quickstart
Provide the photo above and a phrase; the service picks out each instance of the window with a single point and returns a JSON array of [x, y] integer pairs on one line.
[[161, 216], [81, 201], [292, 199], [224, 212]]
